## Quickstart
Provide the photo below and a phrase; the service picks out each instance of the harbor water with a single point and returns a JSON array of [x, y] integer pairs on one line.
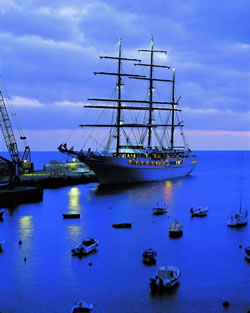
[[114, 279]]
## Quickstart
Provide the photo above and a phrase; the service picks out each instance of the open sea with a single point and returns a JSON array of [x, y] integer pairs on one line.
[[208, 254]]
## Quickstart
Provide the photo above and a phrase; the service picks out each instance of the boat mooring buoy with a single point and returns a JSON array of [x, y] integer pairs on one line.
[[225, 303]]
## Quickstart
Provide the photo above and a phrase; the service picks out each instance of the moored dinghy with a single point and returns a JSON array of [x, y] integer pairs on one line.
[[247, 252], [71, 215], [82, 307], [149, 256], [159, 209], [85, 247], [200, 211], [122, 225], [165, 277], [175, 229]]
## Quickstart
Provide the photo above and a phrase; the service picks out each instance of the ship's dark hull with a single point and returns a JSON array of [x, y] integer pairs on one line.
[[111, 170]]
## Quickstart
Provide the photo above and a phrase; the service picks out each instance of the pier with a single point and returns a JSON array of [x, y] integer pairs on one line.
[[20, 194]]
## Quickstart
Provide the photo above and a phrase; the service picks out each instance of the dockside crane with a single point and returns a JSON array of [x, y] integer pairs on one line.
[[18, 164]]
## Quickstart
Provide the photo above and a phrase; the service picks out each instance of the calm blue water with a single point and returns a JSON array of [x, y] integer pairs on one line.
[[213, 266]]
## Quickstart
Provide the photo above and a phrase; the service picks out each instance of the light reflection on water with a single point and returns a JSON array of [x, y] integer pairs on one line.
[[74, 200], [74, 232], [168, 191], [26, 227]]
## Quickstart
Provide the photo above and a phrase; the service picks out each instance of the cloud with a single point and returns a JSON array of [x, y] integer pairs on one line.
[[51, 49], [219, 140], [70, 104], [20, 101], [238, 47], [77, 23], [216, 119]]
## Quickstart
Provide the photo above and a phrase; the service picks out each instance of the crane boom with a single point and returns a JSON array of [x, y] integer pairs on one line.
[[7, 131], [17, 164]]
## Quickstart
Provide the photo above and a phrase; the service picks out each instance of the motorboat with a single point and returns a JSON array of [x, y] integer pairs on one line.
[[149, 256], [1, 213], [165, 277], [247, 252], [1, 245], [175, 229], [159, 209], [238, 219], [73, 168], [82, 307], [200, 211], [85, 247], [71, 215], [122, 225]]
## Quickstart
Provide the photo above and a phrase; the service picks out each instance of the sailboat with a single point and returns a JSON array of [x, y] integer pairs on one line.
[[152, 157], [239, 218]]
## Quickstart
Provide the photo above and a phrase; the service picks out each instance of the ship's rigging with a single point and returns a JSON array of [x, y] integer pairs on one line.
[[149, 105]]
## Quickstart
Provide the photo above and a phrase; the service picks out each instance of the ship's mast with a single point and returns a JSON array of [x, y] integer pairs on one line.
[[119, 86], [151, 93], [151, 85], [173, 107]]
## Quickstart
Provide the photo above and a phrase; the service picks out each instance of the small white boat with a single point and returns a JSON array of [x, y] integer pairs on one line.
[[238, 219], [247, 252], [165, 277], [159, 209], [200, 211], [175, 229], [85, 247], [1, 245], [82, 307], [149, 256]]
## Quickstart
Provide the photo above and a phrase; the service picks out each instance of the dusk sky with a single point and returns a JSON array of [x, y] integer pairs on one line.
[[50, 49]]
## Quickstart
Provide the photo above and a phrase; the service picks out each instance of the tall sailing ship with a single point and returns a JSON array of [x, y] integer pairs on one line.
[[154, 156]]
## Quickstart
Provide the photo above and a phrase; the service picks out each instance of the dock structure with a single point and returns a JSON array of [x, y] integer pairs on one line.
[[54, 181], [16, 195], [45, 180]]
